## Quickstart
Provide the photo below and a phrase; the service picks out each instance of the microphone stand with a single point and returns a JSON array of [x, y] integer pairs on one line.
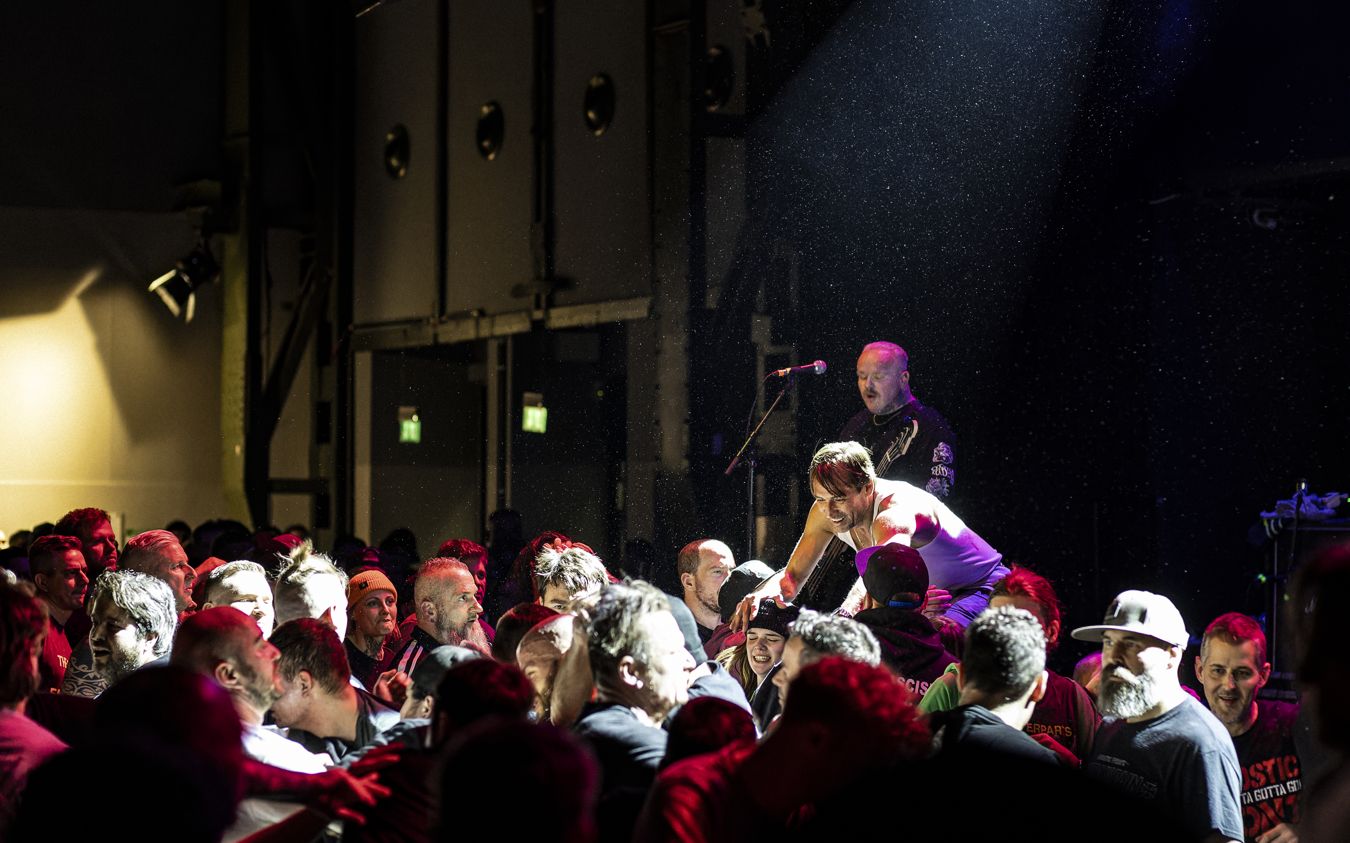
[[746, 450]]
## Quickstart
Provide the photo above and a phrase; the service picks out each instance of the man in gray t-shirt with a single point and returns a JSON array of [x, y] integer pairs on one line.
[[1157, 743]]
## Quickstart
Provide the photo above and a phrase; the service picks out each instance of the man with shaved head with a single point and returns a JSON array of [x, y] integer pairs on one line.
[[893, 421], [446, 595]]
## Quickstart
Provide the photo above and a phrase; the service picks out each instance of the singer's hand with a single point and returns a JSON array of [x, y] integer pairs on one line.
[[749, 606]]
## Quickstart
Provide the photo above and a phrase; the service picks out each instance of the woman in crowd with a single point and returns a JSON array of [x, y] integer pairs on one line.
[[372, 609], [752, 661]]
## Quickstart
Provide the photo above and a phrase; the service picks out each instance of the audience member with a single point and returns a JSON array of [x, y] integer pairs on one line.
[[519, 583], [60, 575], [23, 744], [539, 655], [703, 566], [372, 617], [134, 616], [1232, 669], [1157, 742], [750, 663], [469, 689], [318, 706], [1318, 607], [506, 536], [842, 721], [477, 688], [1087, 672], [704, 725], [708, 678], [158, 553], [181, 530], [227, 646], [98, 543], [1066, 714], [640, 666], [896, 580], [447, 613], [311, 586], [565, 574], [742, 580], [1001, 677], [475, 558], [815, 636], [242, 585], [512, 626], [426, 677], [551, 766]]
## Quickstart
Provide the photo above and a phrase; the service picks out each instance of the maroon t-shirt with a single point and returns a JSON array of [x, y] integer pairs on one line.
[[1272, 784], [55, 657], [1065, 713]]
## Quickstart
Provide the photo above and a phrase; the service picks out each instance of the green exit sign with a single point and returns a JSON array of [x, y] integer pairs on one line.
[[534, 420], [409, 425]]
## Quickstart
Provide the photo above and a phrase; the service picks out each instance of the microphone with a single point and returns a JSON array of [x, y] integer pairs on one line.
[[816, 368]]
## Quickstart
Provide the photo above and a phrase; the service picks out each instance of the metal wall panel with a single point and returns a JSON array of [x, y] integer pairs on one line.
[[395, 274], [601, 181], [491, 202]]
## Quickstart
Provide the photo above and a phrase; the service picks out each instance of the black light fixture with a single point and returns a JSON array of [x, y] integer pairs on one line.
[[597, 106], [178, 287], [491, 130]]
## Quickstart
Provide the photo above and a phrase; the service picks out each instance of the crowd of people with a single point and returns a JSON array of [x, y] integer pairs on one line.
[[281, 695], [268, 691]]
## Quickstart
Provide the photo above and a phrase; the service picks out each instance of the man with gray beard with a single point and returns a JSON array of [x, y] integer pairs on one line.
[[446, 596], [1156, 742]]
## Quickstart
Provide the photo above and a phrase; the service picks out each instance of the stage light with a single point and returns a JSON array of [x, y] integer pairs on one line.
[[178, 287]]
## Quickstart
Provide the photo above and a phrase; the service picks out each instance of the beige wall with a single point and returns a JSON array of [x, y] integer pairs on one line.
[[106, 400]]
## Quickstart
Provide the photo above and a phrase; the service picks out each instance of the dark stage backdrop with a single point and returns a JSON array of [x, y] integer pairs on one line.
[[1110, 236]]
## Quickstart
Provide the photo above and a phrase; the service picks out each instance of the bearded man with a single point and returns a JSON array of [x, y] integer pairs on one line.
[[1156, 742]]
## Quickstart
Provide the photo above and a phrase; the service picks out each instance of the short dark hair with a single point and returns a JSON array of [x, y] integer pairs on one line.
[[23, 623], [1236, 628], [1004, 652], [311, 645], [463, 550], [48, 552], [80, 522], [842, 468]]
